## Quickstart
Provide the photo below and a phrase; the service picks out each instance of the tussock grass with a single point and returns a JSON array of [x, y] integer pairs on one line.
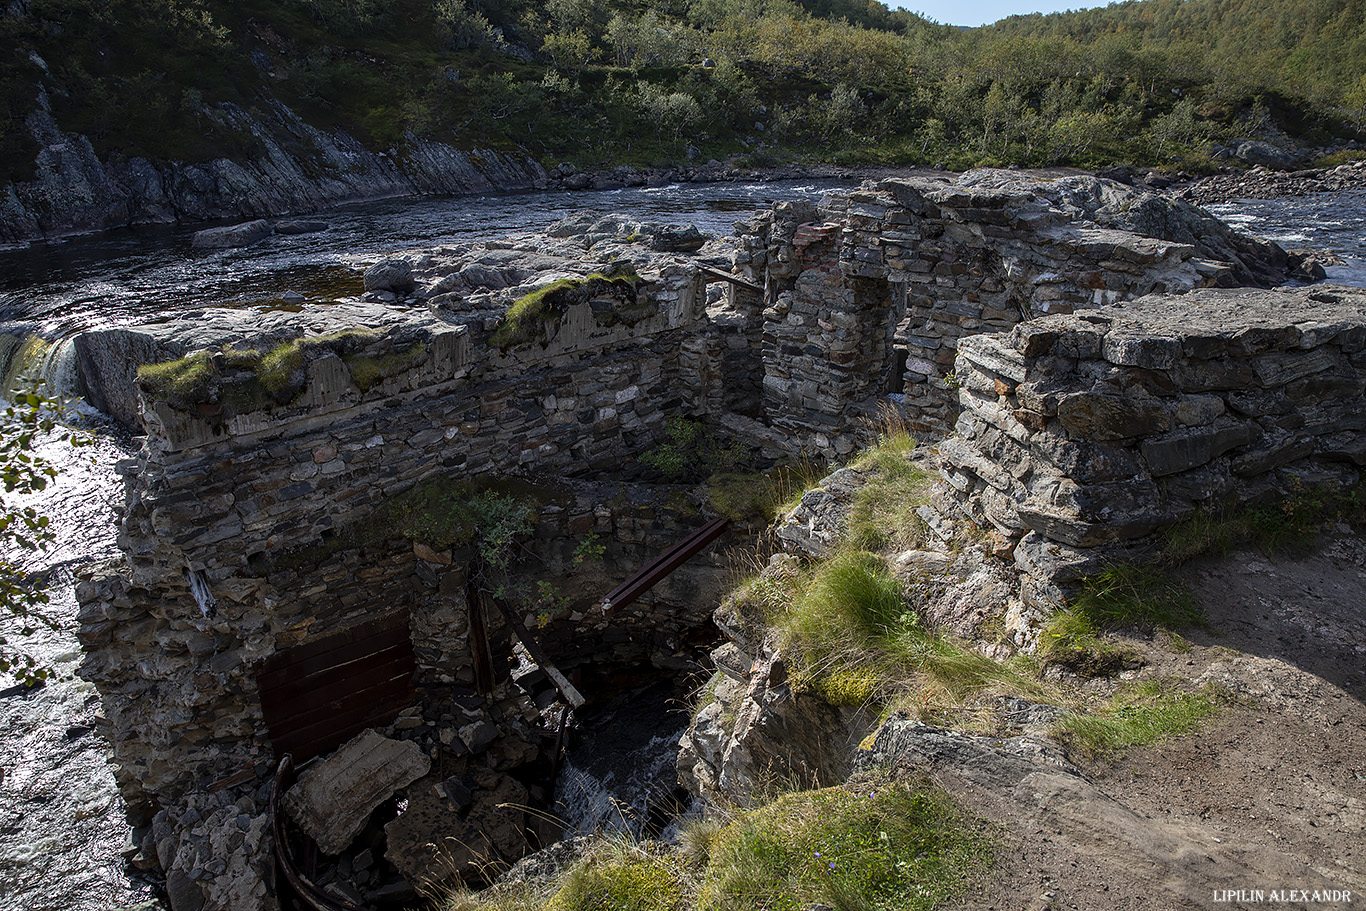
[[762, 495], [883, 515], [871, 844], [1126, 595], [853, 639], [618, 875], [1140, 714]]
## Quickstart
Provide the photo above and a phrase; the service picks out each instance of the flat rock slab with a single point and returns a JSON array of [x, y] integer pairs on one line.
[[333, 800]]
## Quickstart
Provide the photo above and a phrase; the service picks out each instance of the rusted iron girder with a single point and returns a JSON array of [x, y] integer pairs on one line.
[[728, 277], [662, 566]]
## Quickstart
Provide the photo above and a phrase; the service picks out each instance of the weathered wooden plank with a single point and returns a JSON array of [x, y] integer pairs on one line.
[[393, 685], [288, 696], [329, 652], [566, 689], [318, 695], [339, 727]]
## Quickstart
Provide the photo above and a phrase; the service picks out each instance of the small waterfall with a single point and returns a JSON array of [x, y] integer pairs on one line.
[[25, 360], [621, 776]]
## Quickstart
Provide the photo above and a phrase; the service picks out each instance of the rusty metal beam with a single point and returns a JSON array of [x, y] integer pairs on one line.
[[727, 277], [660, 568]]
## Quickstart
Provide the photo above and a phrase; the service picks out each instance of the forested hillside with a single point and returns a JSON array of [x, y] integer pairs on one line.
[[601, 82]]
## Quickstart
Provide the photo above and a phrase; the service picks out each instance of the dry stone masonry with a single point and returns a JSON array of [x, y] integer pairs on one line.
[[870, 292], [1096, 425], [1081, 435]]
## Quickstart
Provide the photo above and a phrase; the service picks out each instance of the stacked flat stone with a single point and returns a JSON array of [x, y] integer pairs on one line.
[[932, 261], [1085, 432]]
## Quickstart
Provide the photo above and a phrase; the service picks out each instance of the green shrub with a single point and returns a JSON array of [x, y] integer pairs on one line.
[[872, 844], [690, 452], [443, 512]]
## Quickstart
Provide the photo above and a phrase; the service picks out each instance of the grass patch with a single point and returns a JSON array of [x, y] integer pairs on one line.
[[852, 604], [247, 379], [368, 371], [1289, 526], [1140, 714], [1346, 156], [883, 512], [1124, 595], [528, 317], [181, 383], [871, 844], [619, 876], [761, 495], [852, 639]]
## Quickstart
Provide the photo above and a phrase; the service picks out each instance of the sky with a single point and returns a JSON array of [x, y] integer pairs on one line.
[[982, 12]]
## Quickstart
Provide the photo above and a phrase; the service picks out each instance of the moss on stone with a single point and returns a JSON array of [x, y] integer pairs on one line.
[[247, 379], [367, 371], [181, 383], [527, 318]]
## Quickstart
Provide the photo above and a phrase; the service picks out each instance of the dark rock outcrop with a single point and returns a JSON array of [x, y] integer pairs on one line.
[[243, 235], [298, 167]]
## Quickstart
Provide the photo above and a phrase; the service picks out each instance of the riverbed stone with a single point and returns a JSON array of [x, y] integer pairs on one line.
[[394, 275], [232, 236]]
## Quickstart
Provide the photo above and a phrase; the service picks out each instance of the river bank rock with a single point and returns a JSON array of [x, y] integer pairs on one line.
[[242, 235], [298, 168], [1266, 183]]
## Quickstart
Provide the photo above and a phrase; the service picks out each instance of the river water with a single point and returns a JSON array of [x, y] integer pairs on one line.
[[61, 821]]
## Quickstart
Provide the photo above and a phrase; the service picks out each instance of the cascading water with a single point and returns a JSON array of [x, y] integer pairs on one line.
[[619, 776], [28, 361], [62, 829]]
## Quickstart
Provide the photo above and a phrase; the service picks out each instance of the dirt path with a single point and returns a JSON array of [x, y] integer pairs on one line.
[[1257, 808]]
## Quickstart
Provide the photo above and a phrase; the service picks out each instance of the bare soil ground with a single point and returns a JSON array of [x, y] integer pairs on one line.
[[1259, 807]]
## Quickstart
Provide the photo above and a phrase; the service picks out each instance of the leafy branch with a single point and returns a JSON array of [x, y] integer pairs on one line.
[[27, 420]]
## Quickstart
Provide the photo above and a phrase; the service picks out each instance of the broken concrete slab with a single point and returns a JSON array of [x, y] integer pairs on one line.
[[333, 800]]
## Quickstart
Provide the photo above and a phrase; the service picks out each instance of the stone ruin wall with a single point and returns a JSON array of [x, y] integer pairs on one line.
[[903, 269], [1082, 435], [870, 292], [242, 503]]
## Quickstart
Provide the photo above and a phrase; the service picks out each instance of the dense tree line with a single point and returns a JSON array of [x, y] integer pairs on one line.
[[652, 81]]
